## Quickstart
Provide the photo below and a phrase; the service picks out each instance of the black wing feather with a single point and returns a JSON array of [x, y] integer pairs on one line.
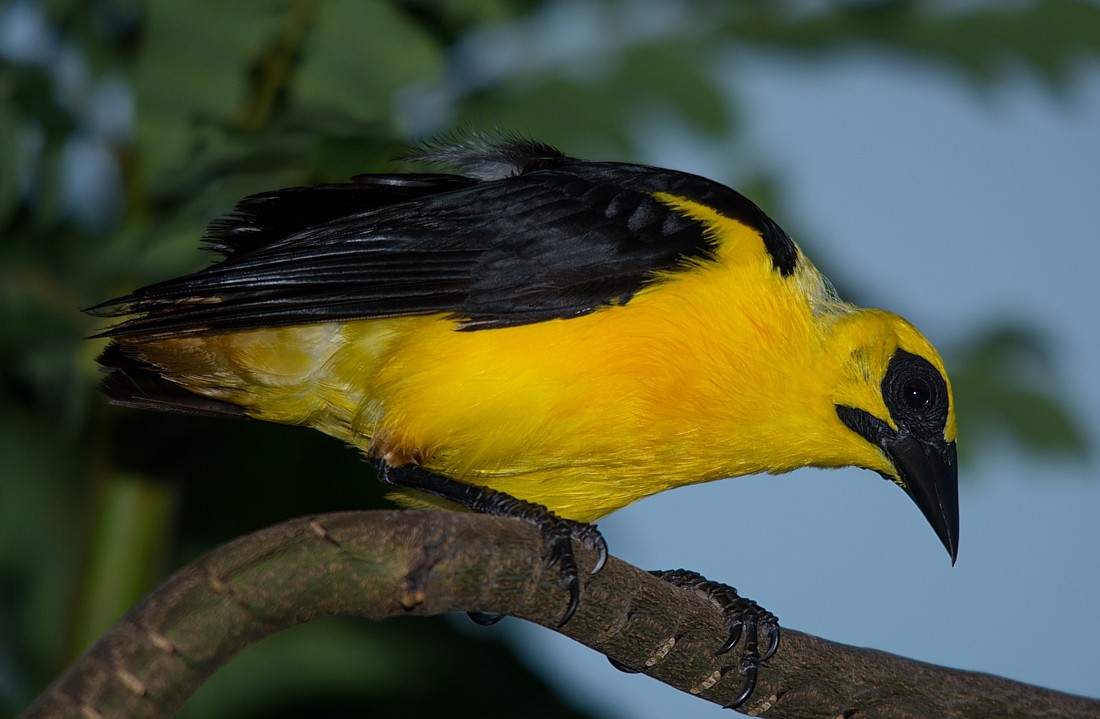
[[557, 238], [262, 219]]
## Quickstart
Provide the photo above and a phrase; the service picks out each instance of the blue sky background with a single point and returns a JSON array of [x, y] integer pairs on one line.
[[956, 209]]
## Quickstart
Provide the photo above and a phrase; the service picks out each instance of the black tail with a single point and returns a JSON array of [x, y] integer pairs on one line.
[[133, 383]]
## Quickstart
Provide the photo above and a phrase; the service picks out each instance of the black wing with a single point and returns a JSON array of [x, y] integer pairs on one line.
[[530, 235]]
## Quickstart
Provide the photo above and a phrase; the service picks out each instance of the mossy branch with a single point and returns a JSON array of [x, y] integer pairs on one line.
[[398, 563]]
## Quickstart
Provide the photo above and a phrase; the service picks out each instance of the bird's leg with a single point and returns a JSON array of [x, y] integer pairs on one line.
[[557, 532], [744, 618]]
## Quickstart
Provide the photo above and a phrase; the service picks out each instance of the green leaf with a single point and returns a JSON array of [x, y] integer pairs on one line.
[[676, 76], [132, 528], [1006, 386], [980, 41], [358, 53], [9, 149], [193, 73]]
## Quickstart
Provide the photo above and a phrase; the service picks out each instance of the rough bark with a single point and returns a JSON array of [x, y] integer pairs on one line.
[[383, 564]]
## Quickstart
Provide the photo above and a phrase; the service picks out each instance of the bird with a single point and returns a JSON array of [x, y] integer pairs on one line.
[[516, 331]]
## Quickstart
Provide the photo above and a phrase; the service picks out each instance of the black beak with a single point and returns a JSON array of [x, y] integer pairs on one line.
[[930, 471], [927, 467]]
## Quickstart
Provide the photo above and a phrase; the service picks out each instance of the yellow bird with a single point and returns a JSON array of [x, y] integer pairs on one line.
[[573, 334]]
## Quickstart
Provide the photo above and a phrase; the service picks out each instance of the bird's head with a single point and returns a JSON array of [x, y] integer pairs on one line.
[[894, 403]]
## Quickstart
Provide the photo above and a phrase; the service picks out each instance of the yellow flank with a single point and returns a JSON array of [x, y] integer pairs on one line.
[[723, 369]]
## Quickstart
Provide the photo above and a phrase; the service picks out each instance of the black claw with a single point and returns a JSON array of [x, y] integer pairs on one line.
[[574, 585], [750, 686], [744, 619], [559, 546], [731, 639], [485, 619], [601, 552], [773, 634], [590, 537], [558, 533], [750, 663], [622, 667]]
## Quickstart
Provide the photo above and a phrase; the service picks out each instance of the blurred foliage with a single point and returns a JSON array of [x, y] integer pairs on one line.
[[126, 126], [1005, 390], [977, 40]]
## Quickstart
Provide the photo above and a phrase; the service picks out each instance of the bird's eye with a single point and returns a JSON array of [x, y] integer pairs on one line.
[[916, 393]]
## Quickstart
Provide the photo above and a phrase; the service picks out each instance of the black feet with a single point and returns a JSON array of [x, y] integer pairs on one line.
[[485, 619], [558, 533], [744, 618]]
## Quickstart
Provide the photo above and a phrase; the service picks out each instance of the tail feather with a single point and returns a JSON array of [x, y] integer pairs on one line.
[[130, 382]]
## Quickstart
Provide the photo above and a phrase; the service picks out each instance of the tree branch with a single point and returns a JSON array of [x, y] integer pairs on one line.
[[397, 563]]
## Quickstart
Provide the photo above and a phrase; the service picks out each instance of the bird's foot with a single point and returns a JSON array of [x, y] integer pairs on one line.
[[744, 618], [558, 533]]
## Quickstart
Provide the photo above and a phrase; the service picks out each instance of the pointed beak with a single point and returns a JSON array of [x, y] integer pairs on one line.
[[930, 471]]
